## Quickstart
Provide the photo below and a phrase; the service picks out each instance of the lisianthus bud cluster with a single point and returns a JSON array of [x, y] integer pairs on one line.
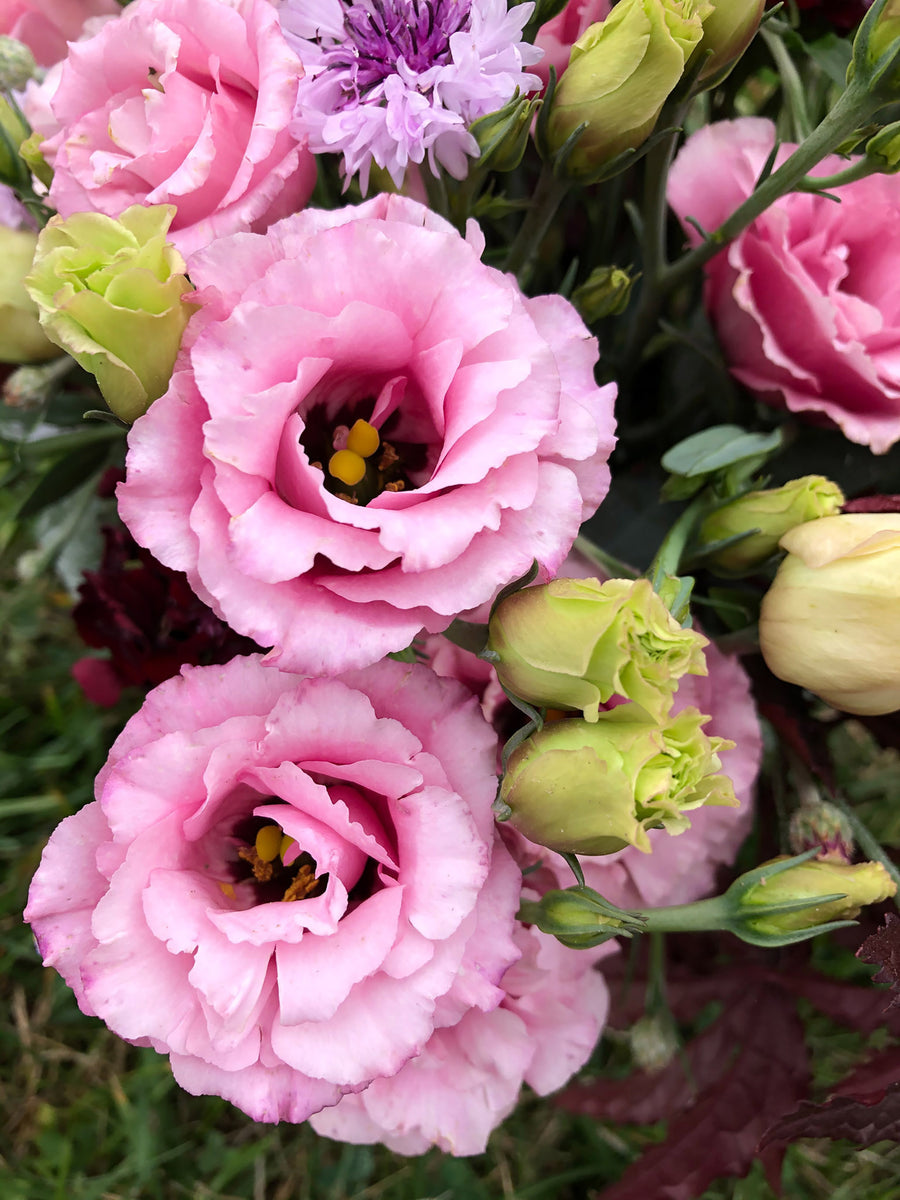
[[596, 784]]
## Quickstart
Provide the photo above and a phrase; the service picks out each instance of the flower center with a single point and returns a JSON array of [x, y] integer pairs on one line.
[[277, 866], [382, 34], [360, 465]]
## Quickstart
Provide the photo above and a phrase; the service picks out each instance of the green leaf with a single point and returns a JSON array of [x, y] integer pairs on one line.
[[719, 447], [64, 476]]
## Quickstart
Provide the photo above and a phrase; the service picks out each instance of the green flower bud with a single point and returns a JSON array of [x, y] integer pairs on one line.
[[814, 881], [824, 827], [765, 517], [21, 336], [503, 135], [830, 622], [110, 293], [575, 643], [727, 32], [654, 1041], [620, 73], [605, 293], [14, 129], [883, 150], [17, 64], [596, 788]]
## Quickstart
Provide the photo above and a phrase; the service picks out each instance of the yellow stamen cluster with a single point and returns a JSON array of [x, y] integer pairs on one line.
[[349, 465]]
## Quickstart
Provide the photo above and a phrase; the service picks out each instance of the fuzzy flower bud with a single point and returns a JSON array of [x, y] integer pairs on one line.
[[815, 881], [830, 622], [596, 788], [21, 336], [575, 643], [620, 73], [765, 517], [17, 64], [727, 32], [110, 293], [824, 827]]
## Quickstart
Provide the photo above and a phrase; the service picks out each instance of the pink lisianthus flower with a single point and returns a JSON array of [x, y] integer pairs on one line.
[[285, 884], [469, 1076], [557, 37], [182, 102], [45, 26], [400, 81], [804, 301], [490, 446]]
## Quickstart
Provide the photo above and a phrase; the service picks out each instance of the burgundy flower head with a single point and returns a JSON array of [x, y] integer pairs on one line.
[[149, 619]]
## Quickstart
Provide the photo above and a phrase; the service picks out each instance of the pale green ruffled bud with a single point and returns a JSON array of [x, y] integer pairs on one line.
[[727, 32], [620, 74], [576, 643], [110, 293], [21, 336], [833, 891], [765, 517], [596, 788]]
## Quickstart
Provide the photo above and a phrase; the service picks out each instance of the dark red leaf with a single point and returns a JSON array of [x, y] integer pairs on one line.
[[646, 1097], [842, 1117], [718, 1135], [883, 948], [871, 1079]]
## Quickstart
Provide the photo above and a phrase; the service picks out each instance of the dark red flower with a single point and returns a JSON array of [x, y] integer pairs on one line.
[[148, 618]]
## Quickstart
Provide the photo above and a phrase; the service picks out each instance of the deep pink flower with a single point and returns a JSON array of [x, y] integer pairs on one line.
[[469, 1076], [494, 435], [45, 26], [181, 102], [388, 911], [805, 302], [557, 37]]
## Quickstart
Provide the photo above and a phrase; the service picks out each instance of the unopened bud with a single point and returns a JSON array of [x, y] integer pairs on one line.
[[831, 892], [502, 136], [605, 293], [17, 64], [821, 825], [762, 518]]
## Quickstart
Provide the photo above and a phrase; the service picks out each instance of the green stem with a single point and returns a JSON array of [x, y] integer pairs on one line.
[[791, 83], [606, 562], [869, 844], [852, 109], [861, 169], [548, 196], [696, 917], [668, 556]]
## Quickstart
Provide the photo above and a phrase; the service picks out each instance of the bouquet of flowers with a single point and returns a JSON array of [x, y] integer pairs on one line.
[[466, 435]]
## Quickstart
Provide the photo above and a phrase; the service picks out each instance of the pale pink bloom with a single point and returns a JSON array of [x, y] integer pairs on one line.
[[383, 780], [468, 1077], [45, 26], [382, 312], [805, 302], [557, 37], [181, 102]]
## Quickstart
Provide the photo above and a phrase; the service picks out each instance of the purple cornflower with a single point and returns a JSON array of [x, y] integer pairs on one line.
[[392, 81]]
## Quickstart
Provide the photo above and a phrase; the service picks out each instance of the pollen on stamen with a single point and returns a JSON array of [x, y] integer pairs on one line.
[[347, 466], [363, 439]]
